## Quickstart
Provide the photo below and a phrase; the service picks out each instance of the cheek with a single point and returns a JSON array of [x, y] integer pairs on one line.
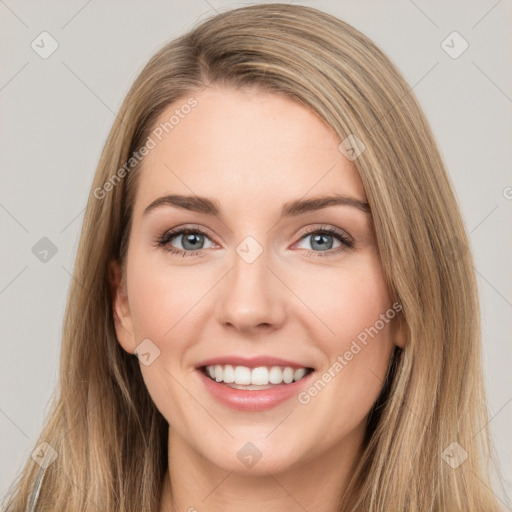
[[162, 305], [162, 298], [354, 334], [345, 301]]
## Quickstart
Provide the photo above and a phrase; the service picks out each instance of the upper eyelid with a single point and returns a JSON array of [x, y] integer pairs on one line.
[[179, 231]]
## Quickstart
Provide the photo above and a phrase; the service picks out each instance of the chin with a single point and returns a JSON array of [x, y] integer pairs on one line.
[[256, 458]]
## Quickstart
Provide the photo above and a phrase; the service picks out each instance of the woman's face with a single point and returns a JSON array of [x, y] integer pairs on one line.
[[257, 284]]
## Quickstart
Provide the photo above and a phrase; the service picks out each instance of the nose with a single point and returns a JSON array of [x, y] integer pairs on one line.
[[252, 296]]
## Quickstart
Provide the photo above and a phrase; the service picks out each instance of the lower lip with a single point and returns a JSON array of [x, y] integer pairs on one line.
[[253, 400]]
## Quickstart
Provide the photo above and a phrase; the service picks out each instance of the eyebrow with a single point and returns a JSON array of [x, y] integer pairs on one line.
[[291, 209]]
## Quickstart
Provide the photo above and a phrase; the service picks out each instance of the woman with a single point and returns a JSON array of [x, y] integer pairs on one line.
[[274, 304]]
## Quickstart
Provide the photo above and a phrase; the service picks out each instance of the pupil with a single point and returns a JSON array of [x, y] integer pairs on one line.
[[193, 239], [320, 239]]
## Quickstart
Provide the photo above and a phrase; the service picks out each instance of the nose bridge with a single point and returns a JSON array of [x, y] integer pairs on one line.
[[250, 294]]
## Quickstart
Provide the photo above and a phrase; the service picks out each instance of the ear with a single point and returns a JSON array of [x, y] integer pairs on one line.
[[121, 308], [399, 331]]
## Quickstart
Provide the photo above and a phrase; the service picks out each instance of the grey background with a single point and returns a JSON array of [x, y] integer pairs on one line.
[[57, 112]]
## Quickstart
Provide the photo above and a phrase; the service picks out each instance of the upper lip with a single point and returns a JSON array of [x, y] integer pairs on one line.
[[251, 362]]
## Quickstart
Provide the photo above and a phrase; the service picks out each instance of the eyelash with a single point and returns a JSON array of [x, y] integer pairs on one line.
[[164, 239]]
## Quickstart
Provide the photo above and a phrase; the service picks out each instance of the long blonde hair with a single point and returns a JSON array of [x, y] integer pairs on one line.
[[109, 438]]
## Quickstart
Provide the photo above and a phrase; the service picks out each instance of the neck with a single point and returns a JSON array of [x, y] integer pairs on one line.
[[317, 484]]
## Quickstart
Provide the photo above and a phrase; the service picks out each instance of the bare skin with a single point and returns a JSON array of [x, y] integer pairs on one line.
[[253, 152]]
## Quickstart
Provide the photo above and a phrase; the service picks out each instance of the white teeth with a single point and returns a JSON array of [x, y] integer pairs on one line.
[[276, 375], [242, 375], [299, 373], [228, 374], [288, 375], [260, 376]]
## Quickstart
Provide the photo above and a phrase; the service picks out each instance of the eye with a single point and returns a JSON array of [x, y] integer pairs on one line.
[[323, 239], [191, 240]]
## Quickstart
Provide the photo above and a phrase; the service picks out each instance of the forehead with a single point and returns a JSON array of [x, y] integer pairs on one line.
[[246, 148]]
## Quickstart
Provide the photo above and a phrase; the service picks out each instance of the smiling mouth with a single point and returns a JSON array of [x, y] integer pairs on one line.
[[258, 378]]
